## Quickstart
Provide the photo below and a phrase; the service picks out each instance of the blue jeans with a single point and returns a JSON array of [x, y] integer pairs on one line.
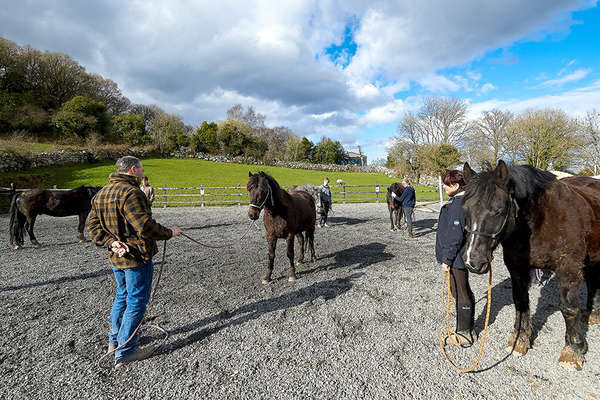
[[133, 292], [408, 214]]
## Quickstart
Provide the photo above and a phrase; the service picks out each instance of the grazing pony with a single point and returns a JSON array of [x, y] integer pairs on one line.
[[286, 215], [394, 207], [26, 206], [541, 223]]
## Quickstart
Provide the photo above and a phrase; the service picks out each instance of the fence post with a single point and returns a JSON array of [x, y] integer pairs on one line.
[[239, 196], [12, 187], [202, 195], [376, 192], [441, 195], [164, 195], [344, 192]]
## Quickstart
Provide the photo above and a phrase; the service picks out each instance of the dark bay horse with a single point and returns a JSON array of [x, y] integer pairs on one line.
[[26, 206], [394, 207], [542, 223], [286, 215]]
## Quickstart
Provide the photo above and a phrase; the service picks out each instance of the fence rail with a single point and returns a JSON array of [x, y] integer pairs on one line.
[[205, 196]]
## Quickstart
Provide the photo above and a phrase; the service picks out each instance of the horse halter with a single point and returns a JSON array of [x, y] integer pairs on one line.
[[269, 195], [494, 236]]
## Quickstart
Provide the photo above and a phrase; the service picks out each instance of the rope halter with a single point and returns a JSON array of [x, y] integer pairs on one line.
[[267, 197]]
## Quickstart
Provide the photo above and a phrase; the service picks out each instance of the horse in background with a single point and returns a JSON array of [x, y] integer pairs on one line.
[[394, 207], [541, 223], [26, 206], [286, 215]]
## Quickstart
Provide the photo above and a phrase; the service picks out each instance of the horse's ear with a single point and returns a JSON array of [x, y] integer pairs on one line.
[[249, 174], [501, 172], [468, 173]]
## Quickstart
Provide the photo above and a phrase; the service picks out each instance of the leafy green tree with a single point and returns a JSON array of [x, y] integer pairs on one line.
[[235, 137], [208, 135], [328, 151], [81, 116], [437, 158], [164, 130], [130, 128], [305, 150]]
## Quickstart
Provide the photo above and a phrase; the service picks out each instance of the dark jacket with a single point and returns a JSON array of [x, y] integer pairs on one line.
[[325, 193], [120, 211], [450, 237], [407, 198]]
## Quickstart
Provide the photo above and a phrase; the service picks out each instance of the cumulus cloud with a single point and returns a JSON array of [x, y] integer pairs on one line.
[[199, 58]]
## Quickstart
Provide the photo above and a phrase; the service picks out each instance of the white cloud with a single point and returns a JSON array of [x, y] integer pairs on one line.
[[572, 77], [566, 67], [487, 87]]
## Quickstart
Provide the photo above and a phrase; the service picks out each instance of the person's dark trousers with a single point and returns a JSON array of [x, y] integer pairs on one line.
[[465, 301], [324, 212], [409, 222]]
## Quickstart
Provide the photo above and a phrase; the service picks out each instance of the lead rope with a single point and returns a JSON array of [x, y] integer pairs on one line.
[[447, 331], [214, 246], [155, 326]]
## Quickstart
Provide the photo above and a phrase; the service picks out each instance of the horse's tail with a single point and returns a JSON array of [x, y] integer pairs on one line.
[[17, 223]]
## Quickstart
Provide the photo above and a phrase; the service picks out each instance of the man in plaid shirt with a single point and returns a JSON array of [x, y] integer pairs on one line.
[[121, 221]]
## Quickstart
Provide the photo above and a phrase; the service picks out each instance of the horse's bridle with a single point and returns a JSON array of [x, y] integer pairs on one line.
[[269, 195], [494, 236]]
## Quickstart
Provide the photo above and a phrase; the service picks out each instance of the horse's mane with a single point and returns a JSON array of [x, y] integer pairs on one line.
[[396, 188], [525, 181]]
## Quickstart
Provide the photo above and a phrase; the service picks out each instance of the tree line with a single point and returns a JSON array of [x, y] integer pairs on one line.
[[47, 95], [440, 135]]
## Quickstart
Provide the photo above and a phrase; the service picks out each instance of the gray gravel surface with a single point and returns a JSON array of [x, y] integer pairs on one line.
[[361, 322]]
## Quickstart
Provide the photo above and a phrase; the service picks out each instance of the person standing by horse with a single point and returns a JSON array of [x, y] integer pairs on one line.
[[325, 197], [449, 248], [121, 221], [408, 199], [148, 190]]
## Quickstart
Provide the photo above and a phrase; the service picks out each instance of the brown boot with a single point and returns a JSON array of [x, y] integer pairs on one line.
[[138, 355]]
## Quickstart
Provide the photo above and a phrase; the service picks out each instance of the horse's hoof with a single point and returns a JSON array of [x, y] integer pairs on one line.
[[569, 358], [291, 278], [392, 230], [593, 318], [518, 347], [266, 281], [36, 244], [16, 247], [299, 262]]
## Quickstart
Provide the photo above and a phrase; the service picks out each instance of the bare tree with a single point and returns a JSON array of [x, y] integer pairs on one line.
[[591, 133], [439, 121], [490, 134]]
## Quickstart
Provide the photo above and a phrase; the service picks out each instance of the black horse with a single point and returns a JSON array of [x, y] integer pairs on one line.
[[286, 215], [544, 223], [394, 207], [26, 206]]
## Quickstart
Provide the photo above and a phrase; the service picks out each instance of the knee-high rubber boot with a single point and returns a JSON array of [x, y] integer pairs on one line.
[[410, 233]]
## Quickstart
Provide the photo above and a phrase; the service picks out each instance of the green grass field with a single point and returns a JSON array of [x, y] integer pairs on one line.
[[194, 173], [32, 147]]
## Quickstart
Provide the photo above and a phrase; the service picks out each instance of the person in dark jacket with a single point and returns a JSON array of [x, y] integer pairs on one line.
[[408, 200], [325, 197], [449, 247]]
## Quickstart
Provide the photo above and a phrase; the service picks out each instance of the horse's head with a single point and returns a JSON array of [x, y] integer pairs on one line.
[[260, 192], [488, 204]]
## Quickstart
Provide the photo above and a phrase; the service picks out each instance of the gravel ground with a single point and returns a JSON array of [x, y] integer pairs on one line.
[[361, 322]]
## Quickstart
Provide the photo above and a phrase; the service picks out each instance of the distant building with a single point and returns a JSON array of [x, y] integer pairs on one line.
[[354, 158]]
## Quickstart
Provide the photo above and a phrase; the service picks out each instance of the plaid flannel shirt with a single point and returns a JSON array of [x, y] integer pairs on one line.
[[121, 211]]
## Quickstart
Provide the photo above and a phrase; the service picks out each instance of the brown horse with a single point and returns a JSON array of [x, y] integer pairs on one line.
[[541, 223], [26, 206], [286, 215], [394, 207]]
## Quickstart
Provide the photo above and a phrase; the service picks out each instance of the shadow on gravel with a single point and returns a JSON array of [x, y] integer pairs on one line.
[[501, 297], [424, 227], [88, 275], [326, 289], [360, 257], [346, 221]]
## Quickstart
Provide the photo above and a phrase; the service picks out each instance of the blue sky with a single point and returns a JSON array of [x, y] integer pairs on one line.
[[345, 69]]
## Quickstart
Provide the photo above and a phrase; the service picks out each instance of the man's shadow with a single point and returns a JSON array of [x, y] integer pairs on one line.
[[360, 256], [225, 319]]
